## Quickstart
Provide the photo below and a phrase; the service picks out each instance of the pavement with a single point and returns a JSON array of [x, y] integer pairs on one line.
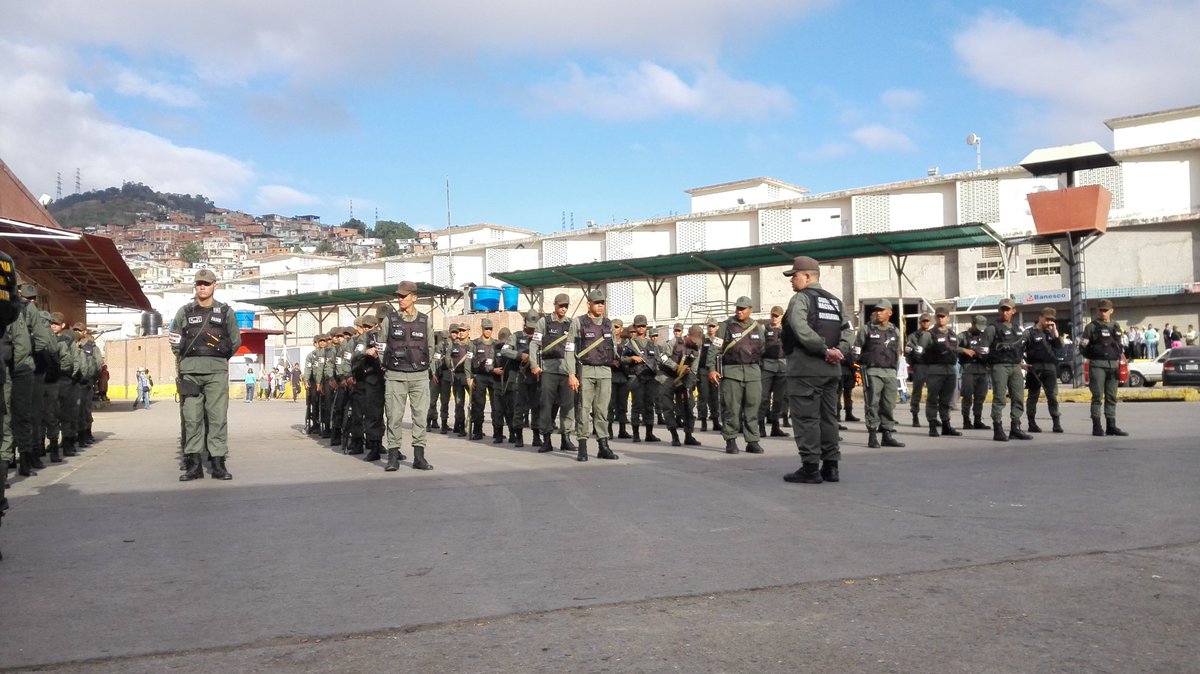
[[1063, 554]]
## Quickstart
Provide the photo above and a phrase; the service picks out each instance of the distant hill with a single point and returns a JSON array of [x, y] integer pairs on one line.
[[123, 206]]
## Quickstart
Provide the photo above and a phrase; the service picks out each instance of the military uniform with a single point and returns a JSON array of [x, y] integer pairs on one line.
[[939, 350], [369, 393], [444, 384], [918, 367], [18, 396], [94, 361], [774, 379], [738, 350], [9, 308], [976, 376], [1005, 351], [60, 442], [436, 368], [1101, 345], [408, 348], [642, 384], [525, 398], [325, 368], [341, 386], [1041, 355], [677, 363], [485, 385], [618, 407], [548, 353], [708, 395], [203, 339], [45, 360], [591, 353], [877, 350], [312, 378], [458, 355]]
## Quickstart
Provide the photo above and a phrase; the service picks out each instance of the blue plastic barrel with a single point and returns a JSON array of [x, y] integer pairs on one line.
[[511, 295], [245, 319], [485, 298]]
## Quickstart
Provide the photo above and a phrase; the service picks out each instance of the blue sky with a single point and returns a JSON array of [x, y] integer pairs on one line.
[[604, 111]]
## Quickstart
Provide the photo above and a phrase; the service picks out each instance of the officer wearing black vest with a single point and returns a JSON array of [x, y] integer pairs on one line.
[[738, 350], [369, 387], [408, 347], [816, 339], [677, 362], [708, 398], [618, 408], [484, 382], [459, 357], [976, 377], [1101, 345], [204, 335], [312, 397], [774, 377], [918, 366], [637, 357], [877, 350], [524, 397], [591, 355], [547, 362], [939, 350], [1042, 344], [1006, 350]]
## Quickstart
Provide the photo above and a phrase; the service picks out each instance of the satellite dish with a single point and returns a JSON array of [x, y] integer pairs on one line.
[[973, 139]]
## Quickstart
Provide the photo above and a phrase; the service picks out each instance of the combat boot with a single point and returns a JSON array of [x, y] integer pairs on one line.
[[998, 433], [829, 471], [808, 473], [947, 429], [1057, 428], [979, 425], [193, 470], [872, 439], [690, 440], [431, 422], [762, 429], [718, 427], [445, 427], [497, 435], [1109, 429], [90, 438], [335, 437], [787, 422], [357, 445], [675, 438], [605, 452], [81, 439], [582, 455], [519, 437], [419, 462], [650, 436], [637, 434], [512, 436], [622, 433], [933, 429], [753, 447], [547, 444], [890, 440], [477, 431], [55, 453], [35, 461], [916, 420], [704, 425], [565, 444], [393, 462], [218, 469], [1033, 426], [1097, 429], [461, 430], [373, 450], [849, 417], [325, 431], [966, 421], [24, 466], [777, 432], [537, 438], [1014, 431], [731, 446]]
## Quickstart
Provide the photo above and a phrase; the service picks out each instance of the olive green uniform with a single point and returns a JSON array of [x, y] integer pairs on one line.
[[555, 391], [1005, 352], [595, 381], [1100, 343], [876, 347], [741, 383], [406, 389], [18, 392], [939, 348], [813, 382], [204, 379]]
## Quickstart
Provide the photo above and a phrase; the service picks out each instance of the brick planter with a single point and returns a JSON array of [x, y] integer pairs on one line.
[[1074, 209]]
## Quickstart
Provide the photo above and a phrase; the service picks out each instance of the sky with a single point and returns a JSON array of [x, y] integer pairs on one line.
[[543, 114]]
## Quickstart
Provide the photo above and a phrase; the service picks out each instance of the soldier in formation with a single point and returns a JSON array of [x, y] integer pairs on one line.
[[734, 363]]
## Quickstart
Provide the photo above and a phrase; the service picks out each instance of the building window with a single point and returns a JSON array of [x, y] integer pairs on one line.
[[1045, 265], [989, 271]]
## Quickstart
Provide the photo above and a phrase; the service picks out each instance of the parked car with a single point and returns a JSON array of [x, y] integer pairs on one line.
[[1146, 372], [1065, 359], [1183, 367]]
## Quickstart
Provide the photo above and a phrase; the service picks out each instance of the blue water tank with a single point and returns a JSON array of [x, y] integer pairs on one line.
[[511, 295], [245, 319], [485, 298]]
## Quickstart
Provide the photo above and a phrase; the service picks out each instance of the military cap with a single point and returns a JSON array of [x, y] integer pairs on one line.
[[79, 327], [926, 316], [561, 299], [653, 332], [348, 330], [618, 323], [802, 263], [441, 334], [712, 321], [980, 322], [28, 290], [639, 321], [941, 311], [744, 302], [532, 318], [322, 337], [455, 327], [317, 338], [598, 295], [776, 310], [45, 315], [486, 324], [370, 321], [1049, 312], [504, 334], [696, 332], [205, 276], [678, 326], [1006, 302], [406, 288], [1104, 305], [57, 318], [882, 304]]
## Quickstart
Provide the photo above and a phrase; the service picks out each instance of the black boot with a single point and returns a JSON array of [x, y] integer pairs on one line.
[[547, 444], [512, 436], [762, 429], [519, 437], [718, 427], [1097, 428], [890, 440], [565, 444], [419, 462], [461, 430], [24, 466], [193, 470], [809, 473], [829, 471], [477, 431], [431, 423], [393, 462], [325, 432], [966, 421], [704, 425], [872, 439], [355, 446], [497, 435], [68, 447], [998, 433], [623, 434], [916, 421], [1033, 426], [1057, 426], [605, 452], [777, 432], [582, 455], [1110, 428], [675, 438], [637, 433], [374, 450], [690, 440], [947, 429], [445, 427], [55, 452], [731, 446], [978, 425], [35, 461], [218, 469], [81, 439], [933, 429], [650, 436], [753, 447], [787, 422], [1014, 431], [849, 417]]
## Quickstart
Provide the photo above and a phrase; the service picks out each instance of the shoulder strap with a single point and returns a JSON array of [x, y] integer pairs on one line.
[[735, 340]]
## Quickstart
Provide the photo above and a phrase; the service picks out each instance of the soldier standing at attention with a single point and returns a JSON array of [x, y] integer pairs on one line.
[[738, 349], [774, 377], [975, 376], [58, 410], [406, 356], [527, 401], [877, 349], [677, 362], [325, 382], [1005, 352], [1041, 353], [312, 385], [458, 354], [1101, 344], [18, 394], [817, 336], [45, 359], [204, 335], [708, 404], [938, 348], [445, 380], [618, 409], [918, 367], [637, 357], [369, 381], [591, 354], [506, 382], [341, 385], [436, 372], [95, 362], [484, 383], [548, 362]]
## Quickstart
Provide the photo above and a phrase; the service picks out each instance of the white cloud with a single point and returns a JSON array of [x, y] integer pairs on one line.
[[650, 91], [276, 198], [901, 99], [882, 138], [1119, 58], [128, 83]]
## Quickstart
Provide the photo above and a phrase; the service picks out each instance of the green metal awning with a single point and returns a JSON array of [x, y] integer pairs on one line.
[[732, 260], [347, 296]]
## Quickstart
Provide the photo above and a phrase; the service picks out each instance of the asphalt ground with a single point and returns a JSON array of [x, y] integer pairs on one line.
[[1065, 553]]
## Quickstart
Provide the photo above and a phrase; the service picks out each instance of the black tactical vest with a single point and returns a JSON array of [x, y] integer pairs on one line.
[[457, 352], [1038, 348], [407, 347], [1104, 343], [204, 331], [554, 330], [1005, 335], [483, 356], [943, 347], [522, 340], [773, 342], [881, 348], [824, 317], [589, 333], [704, 351], [971, 340], [747, 351]]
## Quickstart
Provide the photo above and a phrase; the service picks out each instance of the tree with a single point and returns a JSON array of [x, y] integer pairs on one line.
[[324, 248], [390, 229], [390, 248], [192, 253], [356, 224]]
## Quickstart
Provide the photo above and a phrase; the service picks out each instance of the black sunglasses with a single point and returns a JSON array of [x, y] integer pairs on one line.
[[203, 283]]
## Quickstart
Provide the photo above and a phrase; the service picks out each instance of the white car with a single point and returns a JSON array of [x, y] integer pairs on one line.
[[1146, 372]]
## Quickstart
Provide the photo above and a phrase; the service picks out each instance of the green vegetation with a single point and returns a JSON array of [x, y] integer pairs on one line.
[[124, 205], [192, 253]]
